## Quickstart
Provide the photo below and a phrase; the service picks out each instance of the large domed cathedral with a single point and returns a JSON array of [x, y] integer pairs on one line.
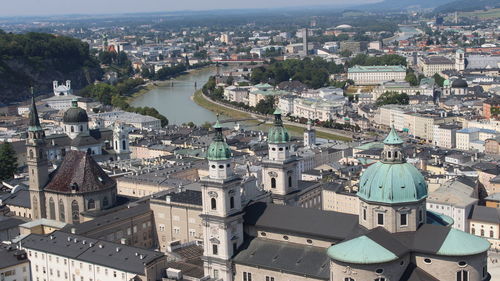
[[78, 185], [393, 237], [399, 238]]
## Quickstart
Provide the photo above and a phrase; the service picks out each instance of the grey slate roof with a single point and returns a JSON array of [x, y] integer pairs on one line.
[[64, 244], [485, 214], [20, 198], [302, 221], [10, 256], [287, 257], [103, 221]]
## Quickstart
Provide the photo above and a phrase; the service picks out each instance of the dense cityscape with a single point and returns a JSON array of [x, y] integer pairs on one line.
[[349, 142]]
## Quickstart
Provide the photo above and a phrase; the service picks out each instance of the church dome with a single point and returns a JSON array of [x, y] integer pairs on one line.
[[392, 180], [459, 83], [75, 114], [278, 133], [218, 149]]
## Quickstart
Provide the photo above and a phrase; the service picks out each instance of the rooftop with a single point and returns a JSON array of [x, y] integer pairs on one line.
[[108, 254], [376, 68]]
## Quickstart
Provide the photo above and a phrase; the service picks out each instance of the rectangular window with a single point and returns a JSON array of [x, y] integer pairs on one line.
[[216, 274], [404, 219], [380, 219], [268, 278], [247, 276], [215, 249], [364, 214]]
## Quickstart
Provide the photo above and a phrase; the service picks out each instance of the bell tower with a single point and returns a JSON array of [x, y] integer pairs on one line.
[[460, 60], [121, 141], [279, 169], [222, 215], [37, 162], [309, 135]]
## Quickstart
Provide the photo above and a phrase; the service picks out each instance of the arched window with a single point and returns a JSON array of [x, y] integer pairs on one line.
[[388, 154], [289, 181], [72, 129], [273, 182], [105, 201], [124, 145], [35, 207], [231, 202], [62, 216], [462, 275], [395, 154], [52, 209], [491, 234], [31, 154], [75, 212], [213, 204], [91, 204], [482, 232]]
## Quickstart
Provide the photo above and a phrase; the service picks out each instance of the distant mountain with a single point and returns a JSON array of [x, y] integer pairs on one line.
[[467, 6], [37, 59], [392, 5]]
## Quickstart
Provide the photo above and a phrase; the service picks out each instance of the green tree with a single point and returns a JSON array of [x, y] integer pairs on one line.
[[392, 98], [411, 78], [345, 53], [8, 161], [439, 79], [265, 106]]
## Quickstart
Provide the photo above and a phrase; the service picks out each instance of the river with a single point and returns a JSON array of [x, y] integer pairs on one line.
[[173, 99]]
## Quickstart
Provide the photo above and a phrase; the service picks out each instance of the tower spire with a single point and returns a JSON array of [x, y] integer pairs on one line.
[[34, 122]]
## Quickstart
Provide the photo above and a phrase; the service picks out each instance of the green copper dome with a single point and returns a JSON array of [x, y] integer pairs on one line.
[[278, 133], [361, 250], [392, 180], [218, 149], [392, 183]]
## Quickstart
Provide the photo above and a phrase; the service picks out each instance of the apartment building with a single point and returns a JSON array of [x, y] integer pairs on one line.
[[177, 217], [474, 138], [14, 265], [445, 135], [65, 256]]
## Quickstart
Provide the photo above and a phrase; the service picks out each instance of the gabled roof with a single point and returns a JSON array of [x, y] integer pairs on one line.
[[79, 172]]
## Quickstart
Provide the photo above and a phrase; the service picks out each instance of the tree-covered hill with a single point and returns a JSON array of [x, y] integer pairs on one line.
[[36, 59], [467, 6]]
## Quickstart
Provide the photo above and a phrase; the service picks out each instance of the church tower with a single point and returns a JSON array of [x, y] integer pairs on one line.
[[392, 193], [222, 214], [309, 135], [37, 162], [460, 60], [121, 141], [279, 170]]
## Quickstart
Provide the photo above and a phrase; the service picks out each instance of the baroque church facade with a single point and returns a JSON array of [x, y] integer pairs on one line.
[[101, 143], [392, 238], [77, 186]]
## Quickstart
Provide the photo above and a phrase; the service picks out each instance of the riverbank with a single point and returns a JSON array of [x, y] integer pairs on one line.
[[297, 129], [151, 85]]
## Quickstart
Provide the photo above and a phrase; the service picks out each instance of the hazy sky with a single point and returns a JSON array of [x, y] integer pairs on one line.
[[58, 7]]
